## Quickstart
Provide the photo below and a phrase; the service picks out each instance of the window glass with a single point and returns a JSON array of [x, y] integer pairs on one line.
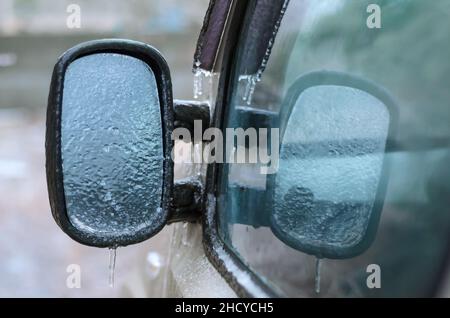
[[360, 95]]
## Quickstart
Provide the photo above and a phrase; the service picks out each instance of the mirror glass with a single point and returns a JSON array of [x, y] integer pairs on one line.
[[331, 160], [111, 144]]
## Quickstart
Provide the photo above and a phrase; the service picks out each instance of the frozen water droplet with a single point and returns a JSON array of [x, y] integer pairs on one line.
[[202, 83], [112, 265], [247, 87], [317, 278], [155, 263], [115, 130]]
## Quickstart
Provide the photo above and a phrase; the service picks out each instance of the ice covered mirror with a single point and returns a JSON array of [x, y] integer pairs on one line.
[[111, 144], [108, 142], [329, 189]]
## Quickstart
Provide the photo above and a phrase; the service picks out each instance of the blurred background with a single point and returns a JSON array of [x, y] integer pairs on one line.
[[33, 33]]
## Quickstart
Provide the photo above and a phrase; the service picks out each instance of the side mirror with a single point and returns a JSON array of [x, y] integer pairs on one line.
[[329, 190], [108, 142]]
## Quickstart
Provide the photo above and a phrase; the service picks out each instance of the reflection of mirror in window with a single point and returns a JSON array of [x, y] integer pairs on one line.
[[330, 166]]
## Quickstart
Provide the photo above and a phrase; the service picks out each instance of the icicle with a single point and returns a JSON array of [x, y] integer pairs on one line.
[[202, 81], [317, 279], [112, 265], [248, 86]]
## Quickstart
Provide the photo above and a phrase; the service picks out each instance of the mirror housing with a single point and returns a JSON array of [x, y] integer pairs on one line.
[[141, 229]]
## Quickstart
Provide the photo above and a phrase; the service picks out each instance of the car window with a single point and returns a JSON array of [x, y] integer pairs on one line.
[[359, 205]]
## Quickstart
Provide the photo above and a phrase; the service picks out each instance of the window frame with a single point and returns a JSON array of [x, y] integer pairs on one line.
[[245, 282]]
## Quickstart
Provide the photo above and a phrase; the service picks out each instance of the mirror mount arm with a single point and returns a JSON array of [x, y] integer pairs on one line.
[[187, 193], [187, 111], [187, 201]]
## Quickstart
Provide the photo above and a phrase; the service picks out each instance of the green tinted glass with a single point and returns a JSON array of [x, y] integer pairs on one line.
[[263, 217]]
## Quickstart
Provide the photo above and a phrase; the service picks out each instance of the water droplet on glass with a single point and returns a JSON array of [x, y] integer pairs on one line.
[[112, 265]]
